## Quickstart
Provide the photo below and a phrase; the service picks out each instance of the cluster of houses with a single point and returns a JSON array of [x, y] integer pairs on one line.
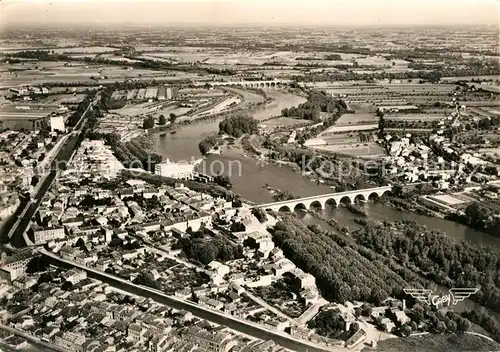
[[21, 157], [414, 162], [76, 313], [67, 212]]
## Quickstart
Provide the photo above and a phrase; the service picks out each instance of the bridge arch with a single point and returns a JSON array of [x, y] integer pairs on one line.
[[315, 205], [387, 192], [374, 196], [273, 84], [284, 209], [345, 200], [359, 198], [331, 203], [299, 206]]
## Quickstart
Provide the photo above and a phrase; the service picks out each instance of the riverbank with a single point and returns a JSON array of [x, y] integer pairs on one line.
[[410, 253], [248, 175]]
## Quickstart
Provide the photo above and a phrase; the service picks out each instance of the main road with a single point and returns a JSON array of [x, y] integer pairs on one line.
[[35, 341], [217, 317], [15, 233]]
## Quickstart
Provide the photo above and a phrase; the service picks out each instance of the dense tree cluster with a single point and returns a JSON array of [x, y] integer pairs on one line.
[[329, 323], [488, 123], [172, 117], [37, 264], [80, 109], [136, 153], [147, 279], [333, 57], [108, 103], [237, 126], [342, 273], [224, 181], [439, 258], [283, 195], [479, 217], [317, 102], [39, 55], [205, 249], [486, 321], [162, 120], [148, 122], [89, 202], [208, 143], [111, 139], [260, 214]]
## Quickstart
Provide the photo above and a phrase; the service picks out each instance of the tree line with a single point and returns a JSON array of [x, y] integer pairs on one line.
[[238, 125], [437, 257], [342, 272], [479, 217], [204, 247], [317, 102]]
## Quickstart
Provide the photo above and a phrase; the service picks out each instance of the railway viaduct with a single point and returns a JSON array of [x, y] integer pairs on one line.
[[250, 84]]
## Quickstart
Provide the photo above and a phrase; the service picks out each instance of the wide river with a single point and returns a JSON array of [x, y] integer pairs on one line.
[[249, 175]]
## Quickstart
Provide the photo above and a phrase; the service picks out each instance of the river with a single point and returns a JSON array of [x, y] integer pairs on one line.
[[249, 175]]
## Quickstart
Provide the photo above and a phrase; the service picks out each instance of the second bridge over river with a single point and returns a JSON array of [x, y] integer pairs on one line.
[[321, 200]]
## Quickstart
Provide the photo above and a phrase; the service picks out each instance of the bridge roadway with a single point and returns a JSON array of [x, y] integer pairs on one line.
[[322, 199], [243, 326]]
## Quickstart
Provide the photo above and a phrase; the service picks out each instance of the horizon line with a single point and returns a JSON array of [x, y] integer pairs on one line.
[[122, 25]]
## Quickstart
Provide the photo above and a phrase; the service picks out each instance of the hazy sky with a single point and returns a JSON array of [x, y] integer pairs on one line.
[[227, 12]]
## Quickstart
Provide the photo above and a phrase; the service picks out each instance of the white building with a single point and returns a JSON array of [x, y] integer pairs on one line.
[[43, 235], [171, 169], [15, 265], [218, 270], [57, 123]]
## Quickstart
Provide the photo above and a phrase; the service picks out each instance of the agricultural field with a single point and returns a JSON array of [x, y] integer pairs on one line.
[[282, 125], [415, 117], [177, 111], [283, 122], [420, 88], [60, 99], [126, 127], [14, 75], [337, 128], [363, 150], [79, 50], [353, 119], [132, 110]]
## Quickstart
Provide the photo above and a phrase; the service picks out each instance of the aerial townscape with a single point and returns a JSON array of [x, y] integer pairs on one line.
[[235, 176]]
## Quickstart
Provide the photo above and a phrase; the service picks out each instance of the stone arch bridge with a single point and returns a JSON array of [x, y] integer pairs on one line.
[[321, 200], [251, 84]]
